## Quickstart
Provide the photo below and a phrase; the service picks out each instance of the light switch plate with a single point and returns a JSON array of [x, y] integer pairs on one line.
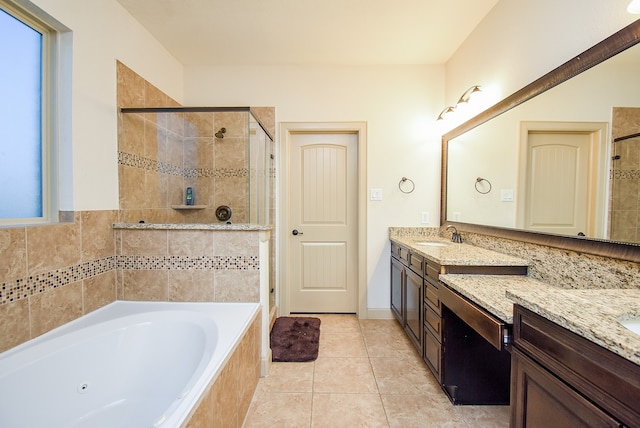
[[506, 195], [424, 217], [375, 194]]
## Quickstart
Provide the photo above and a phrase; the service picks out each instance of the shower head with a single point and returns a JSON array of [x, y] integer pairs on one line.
[[221, 132]]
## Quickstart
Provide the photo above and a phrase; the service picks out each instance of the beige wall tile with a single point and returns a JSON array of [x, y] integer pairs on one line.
[[237, 123], [237, 286], [52, 247], [191, 286], [54, 308], [13, 254], [236, 243], [145, 285], [153, 97], [131, 185], [98, 234], [199, 124], [130, 91], [132, 140], [99, 291], [267, 117], [190, 243], [204, 414], [14, 318], [225, 392], [144, 242]]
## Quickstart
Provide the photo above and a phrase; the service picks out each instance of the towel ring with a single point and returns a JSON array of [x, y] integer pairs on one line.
[[407, 190], [479, 180]]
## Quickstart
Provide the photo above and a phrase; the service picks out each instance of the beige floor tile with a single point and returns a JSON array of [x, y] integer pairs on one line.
[[338, 323], [344, 375], [393, 345], [348, 411], [280, 410], [380, 326], [287, 377], [404, 376], [420, 411], [485, 416], [342, 345]]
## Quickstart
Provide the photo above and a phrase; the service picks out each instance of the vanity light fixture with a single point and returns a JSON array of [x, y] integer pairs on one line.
[[634, 7], [462, 101], [446, 112], [469, 93]]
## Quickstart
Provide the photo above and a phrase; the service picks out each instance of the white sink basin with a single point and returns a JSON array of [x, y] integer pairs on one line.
[[432, 243], [632, 325]]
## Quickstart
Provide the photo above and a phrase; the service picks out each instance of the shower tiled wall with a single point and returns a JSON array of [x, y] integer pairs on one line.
[[625, 186]]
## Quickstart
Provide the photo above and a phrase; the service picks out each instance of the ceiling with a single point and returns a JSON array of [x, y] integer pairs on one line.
[[296, 32]]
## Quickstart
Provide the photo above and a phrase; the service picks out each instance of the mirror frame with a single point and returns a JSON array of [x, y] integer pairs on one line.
[[611, 46]]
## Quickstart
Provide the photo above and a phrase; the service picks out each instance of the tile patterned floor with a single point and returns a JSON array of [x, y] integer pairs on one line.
[[367, 375]]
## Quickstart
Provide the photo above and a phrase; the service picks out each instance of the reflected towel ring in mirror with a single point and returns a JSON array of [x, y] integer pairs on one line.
[[223, 213], [480, 180], [406, 188]]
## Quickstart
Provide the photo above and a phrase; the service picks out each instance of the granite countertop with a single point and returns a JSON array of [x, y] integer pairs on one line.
[[592, 314], [454, 254], [490, 291], [191, 226]]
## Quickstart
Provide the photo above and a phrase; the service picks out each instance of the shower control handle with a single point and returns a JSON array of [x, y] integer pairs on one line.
[[295, 232]]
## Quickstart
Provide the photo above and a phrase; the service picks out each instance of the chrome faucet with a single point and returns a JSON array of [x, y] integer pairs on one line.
[[455, 235]]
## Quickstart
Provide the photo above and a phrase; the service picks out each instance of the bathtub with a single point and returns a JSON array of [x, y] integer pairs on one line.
[[128, 364]]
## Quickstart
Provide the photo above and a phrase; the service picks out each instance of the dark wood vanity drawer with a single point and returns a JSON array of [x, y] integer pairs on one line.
[[415, 263], [431, 271], [431, 295], [433, 321], [605, 378], [401, 253], [433, 353], [492, 329]]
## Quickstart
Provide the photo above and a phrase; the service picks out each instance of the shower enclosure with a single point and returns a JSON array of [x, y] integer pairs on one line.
[[624, 207], [224, 155]]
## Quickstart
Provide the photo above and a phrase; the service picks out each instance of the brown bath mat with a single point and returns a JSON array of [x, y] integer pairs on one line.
[[295, 339]]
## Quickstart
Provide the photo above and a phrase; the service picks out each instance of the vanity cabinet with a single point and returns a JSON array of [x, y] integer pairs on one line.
[[561, 379], [406, 291]]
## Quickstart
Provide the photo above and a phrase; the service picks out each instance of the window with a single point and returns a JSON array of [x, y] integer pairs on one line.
[[25, 135]]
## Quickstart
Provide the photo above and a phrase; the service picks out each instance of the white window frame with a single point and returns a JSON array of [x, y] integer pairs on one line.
[[49, 124]]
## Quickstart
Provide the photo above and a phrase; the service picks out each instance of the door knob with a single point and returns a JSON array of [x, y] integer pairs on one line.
[[295, 232]]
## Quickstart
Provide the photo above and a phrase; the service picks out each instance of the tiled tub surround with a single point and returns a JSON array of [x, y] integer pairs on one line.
[[52, 274], [219, 342], [196, 263]]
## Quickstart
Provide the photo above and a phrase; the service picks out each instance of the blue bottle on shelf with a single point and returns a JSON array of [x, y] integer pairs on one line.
[[189, 196]]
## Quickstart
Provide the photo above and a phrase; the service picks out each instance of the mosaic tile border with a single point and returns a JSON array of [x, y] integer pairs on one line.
[[19, 289], [626, 174], [24, 287], [147, 164]]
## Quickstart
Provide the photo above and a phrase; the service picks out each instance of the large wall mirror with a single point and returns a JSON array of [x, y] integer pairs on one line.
[[558, 162]]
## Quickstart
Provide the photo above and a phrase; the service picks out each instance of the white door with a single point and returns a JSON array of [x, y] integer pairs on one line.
[[322, 262], [557, 183]]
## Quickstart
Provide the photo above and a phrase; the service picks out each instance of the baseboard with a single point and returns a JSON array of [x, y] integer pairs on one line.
[[379, 314]]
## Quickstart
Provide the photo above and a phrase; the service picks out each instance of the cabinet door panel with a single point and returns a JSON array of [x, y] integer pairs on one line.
[[539, 399], [397, 284]]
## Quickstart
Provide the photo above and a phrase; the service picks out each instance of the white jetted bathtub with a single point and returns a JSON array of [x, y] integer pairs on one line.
[[129, 364]]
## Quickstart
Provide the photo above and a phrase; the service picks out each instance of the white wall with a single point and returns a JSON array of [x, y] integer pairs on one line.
[[520, 41], [102, 31], [399, 104]]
